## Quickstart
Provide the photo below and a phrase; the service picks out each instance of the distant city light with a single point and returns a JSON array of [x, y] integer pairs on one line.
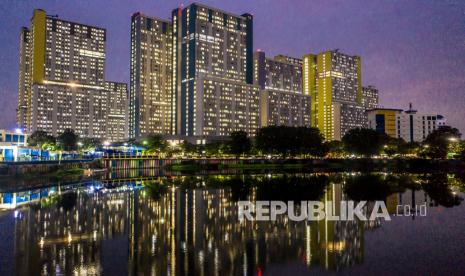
[[18, 131]]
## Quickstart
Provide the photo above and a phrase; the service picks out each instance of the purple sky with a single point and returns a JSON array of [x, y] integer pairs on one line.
[[412, 50]]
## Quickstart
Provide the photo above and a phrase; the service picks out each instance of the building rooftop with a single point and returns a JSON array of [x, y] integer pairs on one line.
[[215, 9], [151, 17], [388, 109], [56, 17]]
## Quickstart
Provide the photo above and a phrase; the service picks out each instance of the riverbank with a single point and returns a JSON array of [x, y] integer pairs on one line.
[[207, 167], [359, 164], [80, 167], [57, 168]]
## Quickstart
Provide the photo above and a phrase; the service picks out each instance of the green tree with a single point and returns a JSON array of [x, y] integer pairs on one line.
[[335, 148], [286, 140], [462, 155], [155, 144], [405, 148], [364, 141], [216, 148], [68, 140], [239, 143], [309, 140], [437, 142], [50, 146], [393, 146], [272, 139], [90, 143], [189, 148], [39, 138], [456, 148]]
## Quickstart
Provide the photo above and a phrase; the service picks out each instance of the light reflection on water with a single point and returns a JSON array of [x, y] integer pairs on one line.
[[189, 225]]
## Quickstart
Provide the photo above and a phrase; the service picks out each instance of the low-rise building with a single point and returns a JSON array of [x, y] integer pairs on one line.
[[415, 127], [408, 125], [10, 143], [13, 138], [384, 120]]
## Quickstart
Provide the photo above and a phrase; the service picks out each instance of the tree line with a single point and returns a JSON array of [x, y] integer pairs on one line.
[[285, 141], [67, 141], [282, 141]]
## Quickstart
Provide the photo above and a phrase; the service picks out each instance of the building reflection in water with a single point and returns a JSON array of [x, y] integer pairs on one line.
[[178, 230]]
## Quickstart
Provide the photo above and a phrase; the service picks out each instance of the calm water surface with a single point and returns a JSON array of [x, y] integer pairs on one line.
[[188, 225]]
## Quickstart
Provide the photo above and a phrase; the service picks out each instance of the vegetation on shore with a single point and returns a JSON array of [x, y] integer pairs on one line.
[[281, 142], [333, 164], [303, 142]]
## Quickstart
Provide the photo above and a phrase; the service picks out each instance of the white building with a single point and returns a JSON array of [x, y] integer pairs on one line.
[[10, 143], [408, 125], [13, 138], [62, 85], [415, 127]]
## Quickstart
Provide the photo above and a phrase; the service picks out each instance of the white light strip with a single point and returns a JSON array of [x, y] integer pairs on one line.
[[89, 53], [73, 84]]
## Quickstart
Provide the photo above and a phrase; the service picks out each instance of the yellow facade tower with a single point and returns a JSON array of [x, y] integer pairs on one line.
[[334, 83]]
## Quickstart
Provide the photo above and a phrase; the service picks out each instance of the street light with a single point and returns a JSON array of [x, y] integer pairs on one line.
[[79, 144], [106, 143], [453, 139]]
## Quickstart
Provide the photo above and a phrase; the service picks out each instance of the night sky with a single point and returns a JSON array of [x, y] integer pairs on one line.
[[412, 50]]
